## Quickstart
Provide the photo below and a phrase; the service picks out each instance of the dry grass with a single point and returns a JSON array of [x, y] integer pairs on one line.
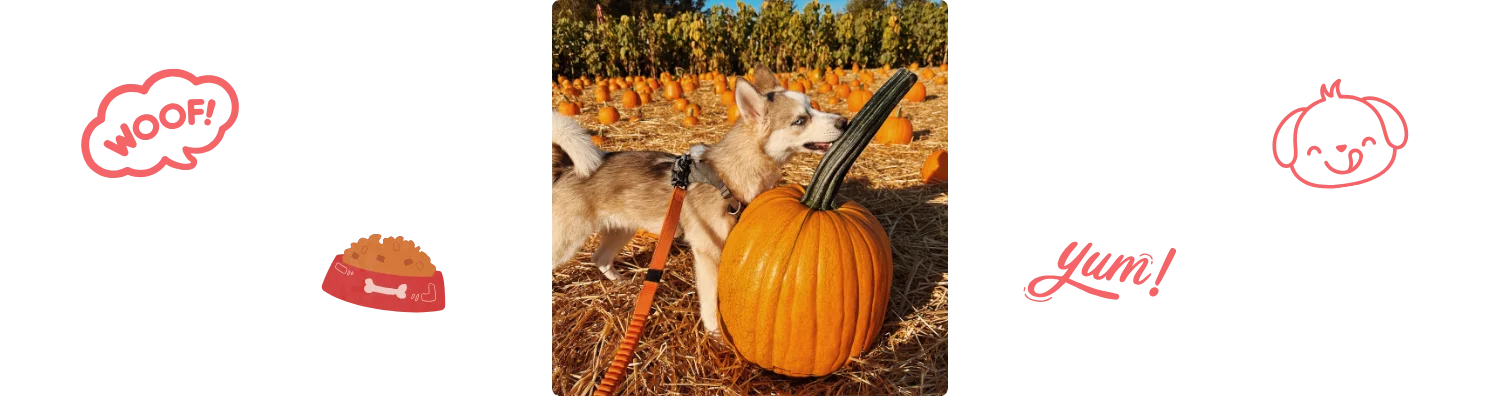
[[589, 313]]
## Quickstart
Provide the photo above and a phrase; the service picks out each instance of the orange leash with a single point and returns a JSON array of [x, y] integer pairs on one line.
[[632, 338]]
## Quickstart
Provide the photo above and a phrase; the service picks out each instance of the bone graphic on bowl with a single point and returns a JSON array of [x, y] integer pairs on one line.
[[399, 291], [342, 269]]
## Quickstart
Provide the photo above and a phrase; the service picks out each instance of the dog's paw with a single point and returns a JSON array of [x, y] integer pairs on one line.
[[611, 274]]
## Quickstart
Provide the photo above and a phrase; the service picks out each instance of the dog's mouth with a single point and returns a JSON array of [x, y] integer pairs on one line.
[[821, 147]]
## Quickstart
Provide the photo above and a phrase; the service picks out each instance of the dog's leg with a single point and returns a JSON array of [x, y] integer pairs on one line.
[[566, 239], [610, 243], [706, 269]]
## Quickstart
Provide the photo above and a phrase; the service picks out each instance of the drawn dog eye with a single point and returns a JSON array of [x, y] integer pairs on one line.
[[1310, 150], [800, 120], [1367, 140]]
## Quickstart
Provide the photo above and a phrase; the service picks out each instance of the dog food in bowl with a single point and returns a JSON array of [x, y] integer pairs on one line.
[[392, 274]]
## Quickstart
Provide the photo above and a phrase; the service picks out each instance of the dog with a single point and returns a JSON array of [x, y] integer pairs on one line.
[[1333, 142], [616, 193]]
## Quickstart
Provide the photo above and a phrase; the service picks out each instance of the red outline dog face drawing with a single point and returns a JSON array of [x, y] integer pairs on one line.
[[1340, 140]]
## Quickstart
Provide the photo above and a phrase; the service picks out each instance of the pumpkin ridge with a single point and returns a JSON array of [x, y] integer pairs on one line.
[[791, 260], [849, 341], [769, 344]]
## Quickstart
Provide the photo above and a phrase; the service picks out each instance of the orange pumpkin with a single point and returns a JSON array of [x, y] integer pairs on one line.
[[842, 91], [727, 98], [693, 107], [679, 104], [896, 130], [815, 105], [691, 119], [598, 140], [673, 90], [805, 280], [857, 100], [940, 80], [568, 108], [918, 93], [944, 67], [734, 114], [795, 85], [645, 96], [608, 115], [630, 100], [720, 87], [936, 168], [602, 93]]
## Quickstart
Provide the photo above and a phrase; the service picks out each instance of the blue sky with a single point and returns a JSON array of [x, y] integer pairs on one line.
[[838, 5]]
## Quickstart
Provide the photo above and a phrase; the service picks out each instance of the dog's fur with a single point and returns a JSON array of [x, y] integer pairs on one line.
[[617, 193]]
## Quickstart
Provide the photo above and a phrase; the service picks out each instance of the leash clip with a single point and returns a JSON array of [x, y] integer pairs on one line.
[[682, 170]]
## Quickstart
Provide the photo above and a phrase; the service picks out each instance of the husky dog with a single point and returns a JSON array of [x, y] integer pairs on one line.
[[617, 193]]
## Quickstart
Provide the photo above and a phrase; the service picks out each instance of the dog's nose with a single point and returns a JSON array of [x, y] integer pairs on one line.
[[841, 123], [1341, 147]]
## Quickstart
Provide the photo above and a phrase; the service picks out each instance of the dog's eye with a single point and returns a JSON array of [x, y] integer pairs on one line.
[[1310, 150], [1369, 140], [800, 120]]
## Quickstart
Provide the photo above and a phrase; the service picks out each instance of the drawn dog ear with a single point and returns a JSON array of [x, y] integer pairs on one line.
[[1284, 143], [1391, 119]]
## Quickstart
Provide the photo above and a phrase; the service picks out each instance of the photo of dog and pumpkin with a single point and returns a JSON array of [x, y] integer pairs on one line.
[[749, 198]]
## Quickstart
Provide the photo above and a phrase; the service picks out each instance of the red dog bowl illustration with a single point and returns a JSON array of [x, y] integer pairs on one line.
[[391, 273]]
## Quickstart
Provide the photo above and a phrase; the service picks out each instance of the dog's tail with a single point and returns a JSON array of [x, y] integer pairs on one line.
[[572, 148]]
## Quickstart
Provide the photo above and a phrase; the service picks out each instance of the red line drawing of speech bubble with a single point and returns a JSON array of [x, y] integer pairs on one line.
[[1326, 92], [164, 161]]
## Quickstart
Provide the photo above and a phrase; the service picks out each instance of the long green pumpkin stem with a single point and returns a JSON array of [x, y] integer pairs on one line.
[[829, 177]]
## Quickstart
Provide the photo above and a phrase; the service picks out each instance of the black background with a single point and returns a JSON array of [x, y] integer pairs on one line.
[[368, 122]]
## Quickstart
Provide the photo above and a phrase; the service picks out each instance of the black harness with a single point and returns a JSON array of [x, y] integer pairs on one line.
[[687, 170]]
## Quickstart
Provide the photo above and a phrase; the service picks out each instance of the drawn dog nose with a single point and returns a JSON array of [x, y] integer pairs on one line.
[[1341, 147], [841, 123]]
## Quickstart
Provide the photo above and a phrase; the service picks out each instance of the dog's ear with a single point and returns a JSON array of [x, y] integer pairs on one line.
[[1395, 123], [750, 101], [1285, 141], [765, 80]]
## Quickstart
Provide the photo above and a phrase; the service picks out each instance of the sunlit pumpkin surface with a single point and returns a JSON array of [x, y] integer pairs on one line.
[[800, 290]]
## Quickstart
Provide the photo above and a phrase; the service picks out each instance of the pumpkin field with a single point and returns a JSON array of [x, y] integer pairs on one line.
[[642, 96]]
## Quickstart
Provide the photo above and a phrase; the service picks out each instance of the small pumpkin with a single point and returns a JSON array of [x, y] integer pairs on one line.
[[918, 93], [672, 90], [842, 91], [734, 114], [568, 108], [608, 115], [691, 119], [940, 80], [944, 67], [598, 139], [805, 280], [824, 88], [645, 96], [927, 73], [630, 100], [693, 107], [602, 93], [857, 100], [727, 98], [815, 105], [795, 85], [679, 104], [720, 87], [935, 169], [895, 130]]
